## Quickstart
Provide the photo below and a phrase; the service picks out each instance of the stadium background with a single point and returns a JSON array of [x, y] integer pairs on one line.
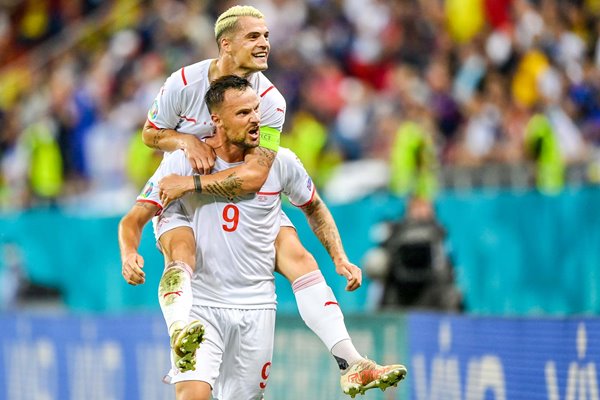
[[516, 194]]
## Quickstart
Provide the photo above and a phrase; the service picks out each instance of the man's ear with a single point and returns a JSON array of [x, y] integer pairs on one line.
[[215, 119], [225, 44]]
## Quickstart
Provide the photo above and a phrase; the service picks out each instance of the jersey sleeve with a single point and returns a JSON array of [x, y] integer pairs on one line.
[[272, 112], [272, 118], [173, 163], [166, 108], [296, 182]]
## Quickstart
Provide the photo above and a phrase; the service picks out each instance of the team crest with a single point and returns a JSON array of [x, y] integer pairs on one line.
[[153, 113]]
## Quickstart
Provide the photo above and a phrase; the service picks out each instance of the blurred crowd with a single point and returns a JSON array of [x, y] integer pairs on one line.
[[404, 88]]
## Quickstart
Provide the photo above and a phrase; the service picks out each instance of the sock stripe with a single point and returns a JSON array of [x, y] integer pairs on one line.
[[181, 265], [178, 293], [308, 280]]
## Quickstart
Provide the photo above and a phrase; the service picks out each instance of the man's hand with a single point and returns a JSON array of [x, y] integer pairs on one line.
[[201, 156], [132, 269], [173, 187], [351, 272]]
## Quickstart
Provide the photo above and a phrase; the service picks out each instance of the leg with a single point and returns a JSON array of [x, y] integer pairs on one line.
[[175, 286], [175, 295], [292, 259], [192, 390], [322, 314], [179, 244], [316, 302]]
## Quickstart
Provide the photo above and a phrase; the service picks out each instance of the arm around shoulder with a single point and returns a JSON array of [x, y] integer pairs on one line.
[[200, 155], [243, 179], [163, 139]]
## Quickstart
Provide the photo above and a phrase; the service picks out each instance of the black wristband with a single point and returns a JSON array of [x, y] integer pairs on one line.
[[197, 184]]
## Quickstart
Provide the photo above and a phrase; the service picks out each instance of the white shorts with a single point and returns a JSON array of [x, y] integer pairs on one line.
[[235, 357], [285, 221], [174, 217]]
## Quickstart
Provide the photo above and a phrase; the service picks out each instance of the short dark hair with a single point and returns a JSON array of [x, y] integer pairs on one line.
[[216, 93]]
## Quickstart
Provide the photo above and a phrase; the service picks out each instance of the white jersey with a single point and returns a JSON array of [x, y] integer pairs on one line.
[[180, 102], [151, 194], [236, 239]]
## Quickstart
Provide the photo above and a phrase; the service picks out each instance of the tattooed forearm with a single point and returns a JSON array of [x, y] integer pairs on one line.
[[157, 137], [229, 188], [323, 225], [161, 138], [312, 207]]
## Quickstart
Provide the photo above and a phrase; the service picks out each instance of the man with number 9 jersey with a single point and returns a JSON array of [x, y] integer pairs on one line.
[[233, 284], [241, 231]]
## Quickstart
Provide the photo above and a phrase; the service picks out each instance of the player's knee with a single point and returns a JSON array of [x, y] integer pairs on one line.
[[288, 245], [307, 262], [192, 390], [179, 244]]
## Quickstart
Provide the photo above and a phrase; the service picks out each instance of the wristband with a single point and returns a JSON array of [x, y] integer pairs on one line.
[[197, 184]]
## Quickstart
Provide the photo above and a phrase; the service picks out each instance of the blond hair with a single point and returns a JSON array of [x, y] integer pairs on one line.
[[228, 20]]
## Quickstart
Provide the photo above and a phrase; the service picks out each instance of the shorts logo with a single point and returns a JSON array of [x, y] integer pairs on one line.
[[161, 221], [309, 184], [147, 190], [265, 374], [153, 113]]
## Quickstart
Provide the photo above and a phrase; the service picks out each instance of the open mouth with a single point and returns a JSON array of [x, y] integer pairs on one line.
[[254, 133]]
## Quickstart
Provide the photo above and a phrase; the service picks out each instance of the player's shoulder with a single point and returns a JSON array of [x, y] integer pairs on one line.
[[285, 152], [267, 90], [191, 76], [286, 156]]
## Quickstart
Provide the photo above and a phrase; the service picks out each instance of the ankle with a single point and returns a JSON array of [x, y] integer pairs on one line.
[[176, 326]]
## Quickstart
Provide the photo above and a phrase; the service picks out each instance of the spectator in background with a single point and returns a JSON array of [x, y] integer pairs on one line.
[[542, 146], [465, 55], [445, 109], [354, 119], [413, 159], [585, 97], [309, 137]]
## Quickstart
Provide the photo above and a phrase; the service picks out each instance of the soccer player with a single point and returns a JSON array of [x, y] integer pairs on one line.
[[177, 120], [233, 286]]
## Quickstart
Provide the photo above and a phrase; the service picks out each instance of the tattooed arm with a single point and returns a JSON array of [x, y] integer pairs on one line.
[[130, 233], [323, 225], [200, 155], [230, 183]]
